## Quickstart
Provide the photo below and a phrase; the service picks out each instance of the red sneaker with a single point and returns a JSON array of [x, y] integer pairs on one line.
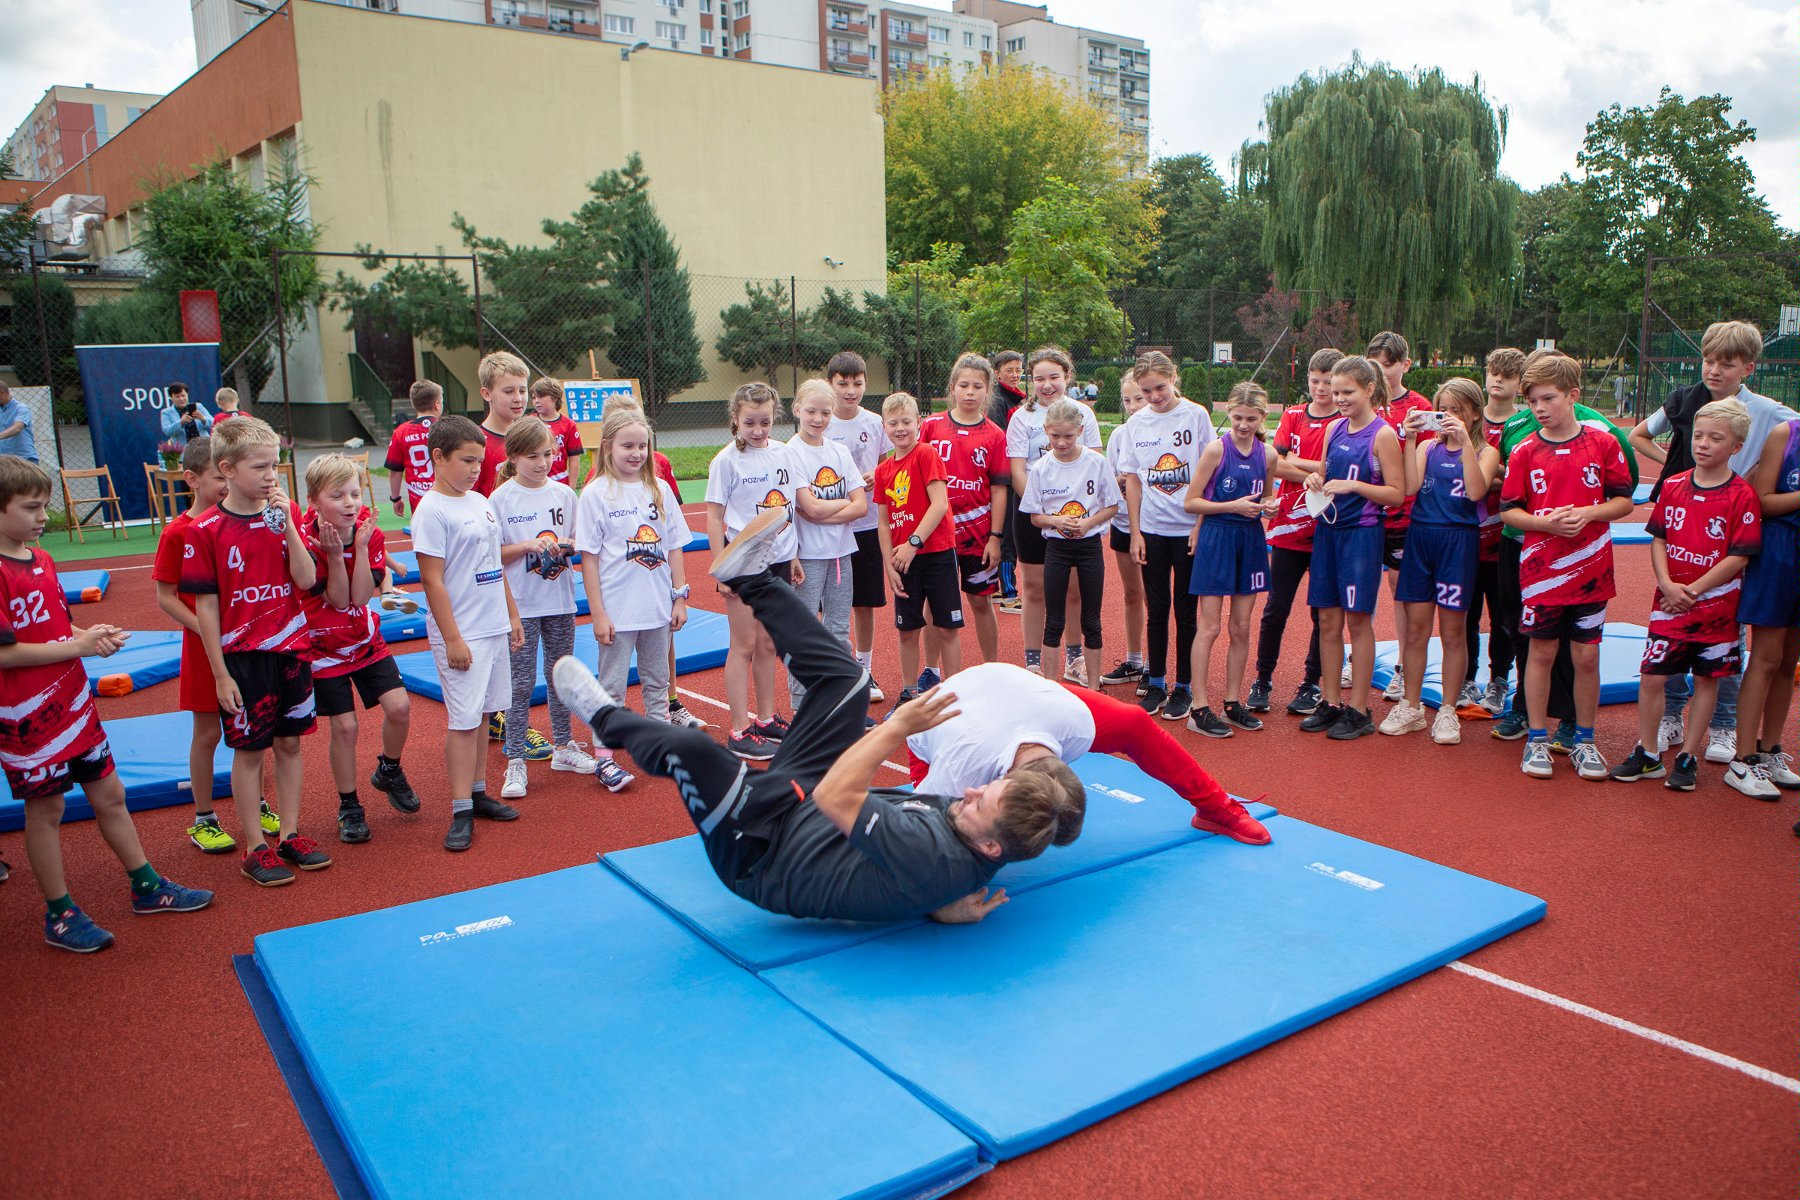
[[1234, 821]]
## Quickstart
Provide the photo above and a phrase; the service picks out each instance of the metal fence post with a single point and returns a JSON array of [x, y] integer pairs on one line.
[[918, 335], [794, 334], [649, 347], [1124, 323], [1643, 371], [1211, 329], [287, 398], [1025, 305], [480, 332], [37, 294]]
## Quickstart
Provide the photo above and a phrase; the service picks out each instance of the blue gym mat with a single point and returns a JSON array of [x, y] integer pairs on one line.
[[150, 754], [1104, 990], [150, 657], [637, 1062], [1129, 815], [84, 587], [1641, 493], [1621, 653], [1630, 533], [405, 563], [699, 645]]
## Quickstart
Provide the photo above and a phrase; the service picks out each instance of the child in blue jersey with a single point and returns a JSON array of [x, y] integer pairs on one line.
[[1771, 607], [1231, 493], [1448, 477], [1362, 453]]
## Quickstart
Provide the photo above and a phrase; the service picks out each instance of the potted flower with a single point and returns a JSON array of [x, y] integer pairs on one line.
[[170, 453], [286, 453]]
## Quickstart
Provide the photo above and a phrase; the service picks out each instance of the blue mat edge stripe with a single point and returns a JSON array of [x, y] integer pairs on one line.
[[328, 1143]]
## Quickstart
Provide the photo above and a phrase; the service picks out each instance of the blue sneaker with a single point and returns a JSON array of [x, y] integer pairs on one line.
[[1562, 740], [170, 896], [928, 679], [74, 930]]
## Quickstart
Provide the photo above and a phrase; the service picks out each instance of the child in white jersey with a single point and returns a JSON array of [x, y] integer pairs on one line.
[[831, 498], [751, 474], [860, 432], [1071, 496], [537, 539], [631, 535]]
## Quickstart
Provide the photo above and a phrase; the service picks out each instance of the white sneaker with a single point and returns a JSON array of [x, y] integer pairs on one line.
[[1447, 729], [571, 757], [1747, 776], [876, 695], [1494, 698], [612, 776], [514, 787], [1076, 672], [680, 715], [1778, 765], [1721, 745], [1344, 675], [579, 689], [753, 549], [1588, 762], [1396, 687], [1536, 761], [1669, 733], [1404, 719]]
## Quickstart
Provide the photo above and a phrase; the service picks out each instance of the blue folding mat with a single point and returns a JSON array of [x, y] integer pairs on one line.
[[699, 645], [638, 1062], [1631, 533], [84, 587], [1129, 815], [149, 657], [150, 754], [1621, 653], [405, 563]]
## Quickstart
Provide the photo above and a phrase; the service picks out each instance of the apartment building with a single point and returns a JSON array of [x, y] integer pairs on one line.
[[69, 123]]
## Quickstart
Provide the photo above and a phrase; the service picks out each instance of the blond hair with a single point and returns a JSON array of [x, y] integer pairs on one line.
[[899, 402], [1732, 412], [971, 362], [1248, 395], [1365, 372], [1551, 368], [1467, 393], [1065, 412], [528, 435], [1043, 805], [231, 440], [1738, 340], [751, 395], [1155, 362], [1506, 362], [498, 364], [328, 471], [1049, 354], [224, 394], [620, 417], [1324, 360], [815, 389]]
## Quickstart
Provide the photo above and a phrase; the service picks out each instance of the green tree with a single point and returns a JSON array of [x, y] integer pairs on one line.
[[138, 318], [1665, 179], [1207, 234], [28, 360], [643, 247], [921, 333], [758, 334], [965, 150], [17, 226], [1061, 249], [1384, 187]]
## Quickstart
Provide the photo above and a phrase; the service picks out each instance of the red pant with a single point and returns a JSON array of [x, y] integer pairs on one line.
[[1122, 728]]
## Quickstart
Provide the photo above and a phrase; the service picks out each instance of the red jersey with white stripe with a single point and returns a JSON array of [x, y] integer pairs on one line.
[[1491, 527], [407, 452], [47, 715], [1395, 412], [1302, 435], [974, 460], [1699, 526], [665, 471], [244, 561], [490, 465], [565, 439], [1542, 475], [342, 640]]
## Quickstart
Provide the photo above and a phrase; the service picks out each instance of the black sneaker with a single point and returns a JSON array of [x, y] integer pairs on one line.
[[1154, 698], [1242, 716], [1684, 774], [1258, 699], [1351, 724], [353, 825], [1205, 720], [400, 793], [1639, 764], [906, 696], [1125, 672], [773, 729], [261, 866], [1178, 705], [490, 809], [462, 831], [1322, 717], [301, 851], [1306, 700], [4, 870], [751, 746]]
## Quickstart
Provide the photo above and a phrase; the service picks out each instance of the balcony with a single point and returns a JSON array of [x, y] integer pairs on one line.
[[854, 5], [848, 28], [1138, 70], [848, 62], [1100, 64], [906, 37], [1141, 96]]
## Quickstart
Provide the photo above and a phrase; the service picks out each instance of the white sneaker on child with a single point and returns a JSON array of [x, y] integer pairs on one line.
[[1721, 745], [571, 757], [514, 787], [1669, 733]]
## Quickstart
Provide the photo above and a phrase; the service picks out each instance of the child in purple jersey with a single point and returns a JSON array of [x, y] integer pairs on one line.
[[1771, 607]]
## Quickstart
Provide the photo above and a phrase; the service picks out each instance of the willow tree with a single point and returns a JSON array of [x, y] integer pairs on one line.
[[1384, 188]]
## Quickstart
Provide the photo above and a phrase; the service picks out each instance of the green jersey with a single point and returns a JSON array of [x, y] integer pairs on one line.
[[1523, 424]]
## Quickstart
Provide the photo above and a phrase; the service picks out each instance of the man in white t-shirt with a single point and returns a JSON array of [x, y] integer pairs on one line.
[[471, 622], [1048, 719]]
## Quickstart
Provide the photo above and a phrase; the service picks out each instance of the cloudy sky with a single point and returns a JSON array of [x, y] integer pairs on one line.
[[1552, 65]]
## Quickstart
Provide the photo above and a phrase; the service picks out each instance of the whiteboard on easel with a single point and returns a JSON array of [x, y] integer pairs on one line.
[[587, 399]]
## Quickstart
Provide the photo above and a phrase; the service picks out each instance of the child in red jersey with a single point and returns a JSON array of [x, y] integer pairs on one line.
[[408, 458], [918, 540], [207, 487], [248, 567], [1564, 485], [1706, 526], [977, 475], [504, 384], [1505, 369], [50, 733], [349, 658], [547, 403]]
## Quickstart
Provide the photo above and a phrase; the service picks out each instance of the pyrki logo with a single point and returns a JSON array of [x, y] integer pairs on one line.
[[1168, 475], [645, 548], [1350, 877], [827, 484], [463, 931]]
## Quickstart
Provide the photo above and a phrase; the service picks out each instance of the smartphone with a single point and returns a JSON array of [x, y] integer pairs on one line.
[[1433, 420]]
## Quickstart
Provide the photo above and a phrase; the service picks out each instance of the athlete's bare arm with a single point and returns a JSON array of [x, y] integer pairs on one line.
[[841, 793]]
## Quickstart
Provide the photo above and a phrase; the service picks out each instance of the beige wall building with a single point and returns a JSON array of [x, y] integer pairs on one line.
[[404, 123]]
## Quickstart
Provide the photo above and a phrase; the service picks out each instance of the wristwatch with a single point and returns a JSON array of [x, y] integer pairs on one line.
[[916, 542], [680, 593]]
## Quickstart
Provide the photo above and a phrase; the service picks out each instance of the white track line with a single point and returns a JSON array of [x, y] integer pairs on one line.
[[892, 766], [1661, 1039]]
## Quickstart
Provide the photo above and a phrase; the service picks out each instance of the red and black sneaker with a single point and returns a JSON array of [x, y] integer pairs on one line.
[[751, 745], [301, 851], [262, 867], [1231, 819], [773, 729]]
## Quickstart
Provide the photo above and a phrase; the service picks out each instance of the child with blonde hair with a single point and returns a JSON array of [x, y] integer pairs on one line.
[[830, 499], [918, 540], [1071, 495]]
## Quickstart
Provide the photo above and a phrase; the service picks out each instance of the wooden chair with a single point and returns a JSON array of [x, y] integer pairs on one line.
[[167, 489], [286, 471], [368, 483], [107, 495]]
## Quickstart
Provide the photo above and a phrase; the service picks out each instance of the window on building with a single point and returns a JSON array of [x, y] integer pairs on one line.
[[939, 60], [968, 37], [901, 60], [706, 6], [507, 12], [987, 41], [101, 130], [839, 50], [740, 8], [617, 24], [900, 29], [671, 30], [673, 3], [1015, 45], [940, 33], [706, 37]]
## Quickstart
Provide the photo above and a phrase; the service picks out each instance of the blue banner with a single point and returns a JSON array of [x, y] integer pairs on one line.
[[127, 389], [586, 399]]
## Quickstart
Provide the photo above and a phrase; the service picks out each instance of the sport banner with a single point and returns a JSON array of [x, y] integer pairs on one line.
[[127, 388]]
